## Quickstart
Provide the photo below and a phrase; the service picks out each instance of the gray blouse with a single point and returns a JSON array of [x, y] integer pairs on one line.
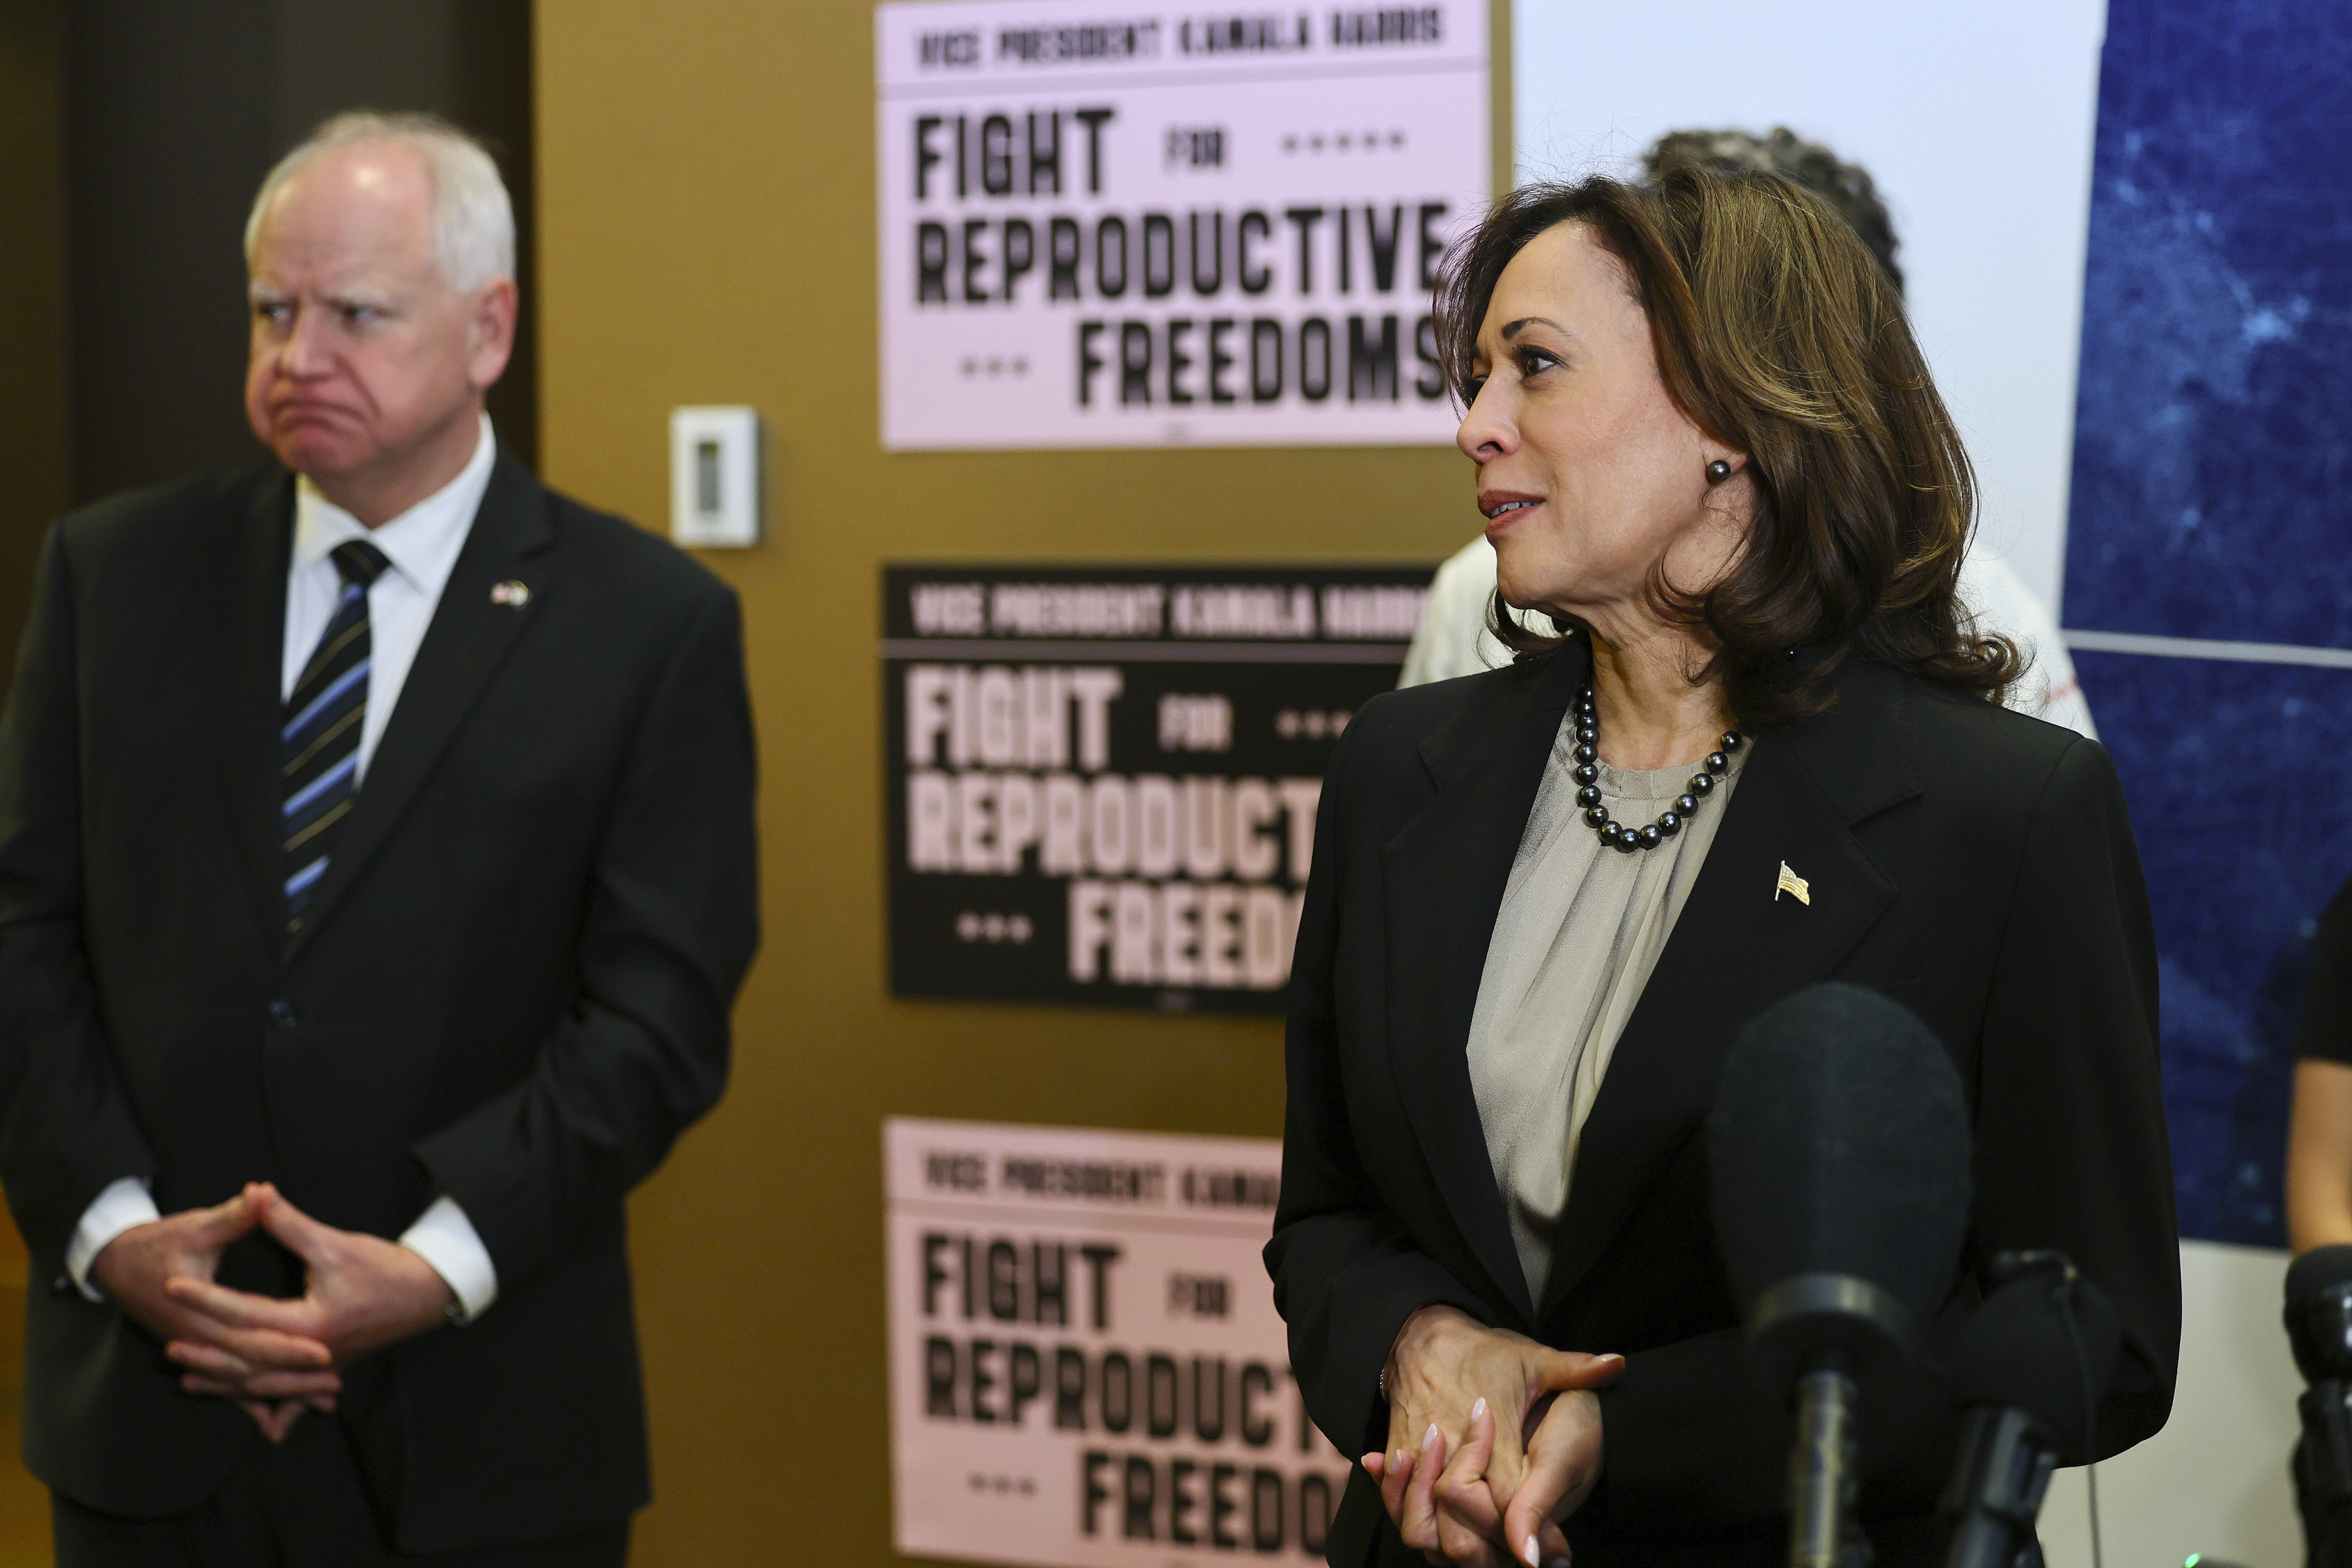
[[1580, 929]]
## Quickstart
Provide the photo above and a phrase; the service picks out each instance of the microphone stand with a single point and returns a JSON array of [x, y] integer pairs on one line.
[[2005, 1465], [1829, 1334], [2011, 1434], [2319, 1327], [2322, 1472], [1822, 1528]]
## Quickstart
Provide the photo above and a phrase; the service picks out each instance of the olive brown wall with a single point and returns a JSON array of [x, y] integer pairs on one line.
[[706, 208], [35, 458], [34, 464]]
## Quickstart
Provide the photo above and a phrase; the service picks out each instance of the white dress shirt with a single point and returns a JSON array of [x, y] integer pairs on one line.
[[1452, 638], [422, 545]]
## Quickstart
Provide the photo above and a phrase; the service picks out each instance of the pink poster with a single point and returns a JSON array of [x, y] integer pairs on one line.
[[1085, 1365]]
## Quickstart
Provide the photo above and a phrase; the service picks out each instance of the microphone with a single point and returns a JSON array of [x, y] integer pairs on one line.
[[1839, 1142], [2320, 1329], [2027, 1371]]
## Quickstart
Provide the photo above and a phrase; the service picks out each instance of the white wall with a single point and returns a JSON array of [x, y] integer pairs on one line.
[[1974, 120]]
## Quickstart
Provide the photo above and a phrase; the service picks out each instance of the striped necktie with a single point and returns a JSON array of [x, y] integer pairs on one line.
[[319, 743]]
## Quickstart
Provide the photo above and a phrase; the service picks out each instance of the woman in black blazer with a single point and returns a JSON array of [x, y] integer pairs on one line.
[[1709, 447]]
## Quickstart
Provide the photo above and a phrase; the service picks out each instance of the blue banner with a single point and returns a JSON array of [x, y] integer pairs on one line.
[[2212, 501]]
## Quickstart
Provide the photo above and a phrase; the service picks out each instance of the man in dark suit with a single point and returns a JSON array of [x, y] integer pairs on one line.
[[376, 876]]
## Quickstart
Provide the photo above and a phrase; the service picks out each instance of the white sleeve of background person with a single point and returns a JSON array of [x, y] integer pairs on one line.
[[125, 1202], [1452, 638], [1993, 592], [447, 1239]]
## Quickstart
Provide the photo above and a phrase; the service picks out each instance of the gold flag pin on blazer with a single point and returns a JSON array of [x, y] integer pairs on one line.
[[513, 592], [1792, 883]]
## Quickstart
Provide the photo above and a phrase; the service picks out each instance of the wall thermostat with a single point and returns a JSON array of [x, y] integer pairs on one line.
[[714, 477]]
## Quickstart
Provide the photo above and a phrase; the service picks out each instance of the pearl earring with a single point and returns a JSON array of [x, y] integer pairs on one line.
[[1717, 471]]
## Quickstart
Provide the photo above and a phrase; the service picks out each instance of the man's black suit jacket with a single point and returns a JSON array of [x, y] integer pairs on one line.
[[1974, 864], [513, 986]]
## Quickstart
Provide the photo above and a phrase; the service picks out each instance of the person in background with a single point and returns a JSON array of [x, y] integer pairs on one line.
[[1452, 638], [376, 876], [2319, 1127]]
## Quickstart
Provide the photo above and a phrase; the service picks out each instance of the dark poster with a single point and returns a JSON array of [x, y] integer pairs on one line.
[[1102, 781]]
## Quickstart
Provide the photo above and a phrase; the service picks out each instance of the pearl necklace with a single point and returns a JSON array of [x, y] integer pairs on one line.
[[1587, 774]]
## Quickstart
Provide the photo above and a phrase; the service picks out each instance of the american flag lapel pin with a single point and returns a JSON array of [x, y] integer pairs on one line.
[[1793, 884], [513, 592]]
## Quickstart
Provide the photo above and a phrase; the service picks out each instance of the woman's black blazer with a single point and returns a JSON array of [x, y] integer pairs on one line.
[[1973, 863]]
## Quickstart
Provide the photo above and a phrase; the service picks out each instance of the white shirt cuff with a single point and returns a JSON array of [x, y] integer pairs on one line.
[[447, 1239], [125, 1202]]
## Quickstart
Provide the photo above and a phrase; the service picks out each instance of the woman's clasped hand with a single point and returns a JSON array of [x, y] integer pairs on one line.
[[1493, 1440]]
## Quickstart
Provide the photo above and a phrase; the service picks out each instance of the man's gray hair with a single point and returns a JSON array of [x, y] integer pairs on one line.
[[473, 220]]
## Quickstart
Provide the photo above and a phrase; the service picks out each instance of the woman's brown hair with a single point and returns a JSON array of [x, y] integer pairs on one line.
[[1778, 334]]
